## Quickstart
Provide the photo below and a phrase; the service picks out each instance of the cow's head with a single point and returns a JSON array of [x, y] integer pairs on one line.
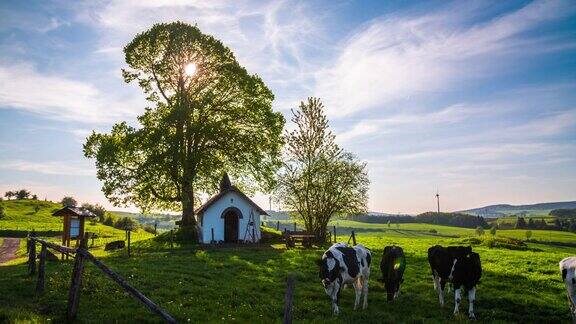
[[329, 271]]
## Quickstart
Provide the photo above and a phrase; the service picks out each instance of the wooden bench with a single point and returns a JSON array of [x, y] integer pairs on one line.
[[291, 237]]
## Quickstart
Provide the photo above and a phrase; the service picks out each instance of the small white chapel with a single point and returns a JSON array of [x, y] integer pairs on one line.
[[229, 216]]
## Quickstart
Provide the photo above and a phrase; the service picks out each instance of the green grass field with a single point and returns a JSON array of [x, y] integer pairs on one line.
[[247, 284], [22, 217]]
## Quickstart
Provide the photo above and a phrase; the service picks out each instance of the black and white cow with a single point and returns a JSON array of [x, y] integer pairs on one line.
[[392, 266], [568, 270], [342, 264], [459, 266]]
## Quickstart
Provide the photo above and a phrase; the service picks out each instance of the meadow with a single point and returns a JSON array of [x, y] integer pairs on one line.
[[247, 284]]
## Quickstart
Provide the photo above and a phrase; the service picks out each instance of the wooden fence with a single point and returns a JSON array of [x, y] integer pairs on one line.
[[81, 254]]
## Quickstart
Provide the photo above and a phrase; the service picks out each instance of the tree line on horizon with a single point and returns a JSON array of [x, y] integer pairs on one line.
[[448, 219]]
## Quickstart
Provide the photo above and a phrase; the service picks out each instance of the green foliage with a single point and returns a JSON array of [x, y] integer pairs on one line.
[[451, 219], [127, 224], [521, 223], [2, 213], [19, 194], [219, 119], [479, 231], [97, 210], [9, 194], [568, 212], [186, 234], [318, 179], [499, 243], [23, 194], [493, 230], [68, 201], [528, 234], [149, 228], [109, 219]]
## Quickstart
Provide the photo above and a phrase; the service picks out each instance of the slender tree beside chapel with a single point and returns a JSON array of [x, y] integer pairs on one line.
[[208, 116], [318, 179]]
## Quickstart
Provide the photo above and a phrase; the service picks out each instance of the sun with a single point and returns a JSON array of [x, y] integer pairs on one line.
[[190, 69]]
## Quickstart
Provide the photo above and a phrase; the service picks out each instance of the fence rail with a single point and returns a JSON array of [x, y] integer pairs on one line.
[[81, 254]]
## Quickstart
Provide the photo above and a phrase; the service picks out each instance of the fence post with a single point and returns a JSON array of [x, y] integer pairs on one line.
[[294, 226], [171, 239], [334, 233], [353, 238], [329, 236], [277, 225], [288, 300], [32, 254], [128, 233], [76, 285], [41, 270]]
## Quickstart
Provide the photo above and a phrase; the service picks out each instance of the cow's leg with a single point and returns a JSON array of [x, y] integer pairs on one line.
[[457, 299], [441, 285], [471, 298], [335, 296], [357, 292], [397, 294], [365, 292]]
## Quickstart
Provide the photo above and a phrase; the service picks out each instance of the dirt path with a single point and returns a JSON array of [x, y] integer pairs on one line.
[[8, 249]]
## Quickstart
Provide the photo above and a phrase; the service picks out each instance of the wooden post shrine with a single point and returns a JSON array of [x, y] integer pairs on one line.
[[74, 223]]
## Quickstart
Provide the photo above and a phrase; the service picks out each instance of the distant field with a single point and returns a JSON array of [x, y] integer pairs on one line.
[[21, 218]]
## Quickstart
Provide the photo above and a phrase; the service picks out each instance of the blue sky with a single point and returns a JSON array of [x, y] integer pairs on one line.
[[473, 98]]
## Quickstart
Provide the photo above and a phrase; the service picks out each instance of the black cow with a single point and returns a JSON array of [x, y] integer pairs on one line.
[[458, 265], [342, 264], [392, 266]]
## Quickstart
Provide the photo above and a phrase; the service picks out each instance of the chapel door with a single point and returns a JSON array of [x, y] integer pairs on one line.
[[231, 227]]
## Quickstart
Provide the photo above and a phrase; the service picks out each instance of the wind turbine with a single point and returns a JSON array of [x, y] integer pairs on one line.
[[438, 200]]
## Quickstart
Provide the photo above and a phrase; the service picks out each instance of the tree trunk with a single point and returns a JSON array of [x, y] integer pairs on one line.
[[188, 207]]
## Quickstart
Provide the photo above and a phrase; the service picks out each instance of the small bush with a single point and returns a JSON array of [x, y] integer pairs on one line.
[[149, 228], [479, 231], [68, 202], [498, 243], [493, 230], [127, 224], [188, 234], [2, 213], [110, 219], [433, 231]]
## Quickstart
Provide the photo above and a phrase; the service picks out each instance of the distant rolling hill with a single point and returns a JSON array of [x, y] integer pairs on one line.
[[504, 210]]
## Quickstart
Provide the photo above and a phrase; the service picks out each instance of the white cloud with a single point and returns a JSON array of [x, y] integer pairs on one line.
[[57, 97], [449, 115], [395, 58], [49, 167]]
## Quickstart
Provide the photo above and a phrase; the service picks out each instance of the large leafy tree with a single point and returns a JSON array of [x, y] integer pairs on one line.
[[208, 116], [318, 179]]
